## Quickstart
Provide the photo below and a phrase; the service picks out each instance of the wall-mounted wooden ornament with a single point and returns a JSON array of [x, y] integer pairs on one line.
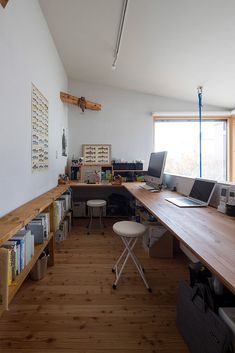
[[79, 102], [3, 3]]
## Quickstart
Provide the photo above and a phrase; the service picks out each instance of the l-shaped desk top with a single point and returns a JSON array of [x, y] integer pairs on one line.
[[210, 235]]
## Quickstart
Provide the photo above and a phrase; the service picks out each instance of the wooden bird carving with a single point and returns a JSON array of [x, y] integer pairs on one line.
[[3, 3], [82, 103]]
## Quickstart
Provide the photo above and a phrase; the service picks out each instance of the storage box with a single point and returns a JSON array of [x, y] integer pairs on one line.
[[228, 316], [158, 241], [79, 209], [40, 268]]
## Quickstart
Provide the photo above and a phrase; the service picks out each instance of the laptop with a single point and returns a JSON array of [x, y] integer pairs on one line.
[[199, 196]]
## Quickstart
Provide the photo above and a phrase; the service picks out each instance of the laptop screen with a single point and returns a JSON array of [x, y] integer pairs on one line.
[[202, 189]]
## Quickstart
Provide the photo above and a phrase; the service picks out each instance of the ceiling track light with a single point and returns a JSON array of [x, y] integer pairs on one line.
[[119, 35]]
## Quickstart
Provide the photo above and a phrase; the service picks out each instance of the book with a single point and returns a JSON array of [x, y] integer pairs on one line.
[[32, 245], [37, 229], [58, 213], [22, 254], [18, 257], [11, 245], [67, 198], [45, 217], [28, 253]]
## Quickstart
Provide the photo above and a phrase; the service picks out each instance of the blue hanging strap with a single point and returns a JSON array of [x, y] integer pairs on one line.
[[200, 129]]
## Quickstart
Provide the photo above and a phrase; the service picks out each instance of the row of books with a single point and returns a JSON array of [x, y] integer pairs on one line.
[[40, 227], [17, 252], [21, 246], [64, 228], [67, 201], [61, 208], [20, 249]]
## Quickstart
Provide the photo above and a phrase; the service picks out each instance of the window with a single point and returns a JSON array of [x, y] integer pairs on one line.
[[181, 139]]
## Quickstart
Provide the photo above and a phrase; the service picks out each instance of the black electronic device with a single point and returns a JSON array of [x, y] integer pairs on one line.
[[128, 166], [155, 170]]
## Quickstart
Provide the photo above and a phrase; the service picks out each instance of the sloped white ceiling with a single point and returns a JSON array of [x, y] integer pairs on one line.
[[168, 48]]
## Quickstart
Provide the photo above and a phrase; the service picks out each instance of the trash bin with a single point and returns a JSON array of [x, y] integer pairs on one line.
[[40, 268]]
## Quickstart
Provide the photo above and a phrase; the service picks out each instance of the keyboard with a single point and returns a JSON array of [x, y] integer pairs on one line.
[[147, 187], [185, 202], [191, 202]]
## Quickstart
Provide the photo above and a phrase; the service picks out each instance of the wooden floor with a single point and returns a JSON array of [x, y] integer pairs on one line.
[[75, 309]]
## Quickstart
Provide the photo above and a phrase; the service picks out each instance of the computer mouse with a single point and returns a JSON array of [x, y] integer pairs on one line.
[[154, 190]]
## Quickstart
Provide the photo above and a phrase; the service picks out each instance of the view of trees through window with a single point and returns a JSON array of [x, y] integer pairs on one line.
[[181, 139]]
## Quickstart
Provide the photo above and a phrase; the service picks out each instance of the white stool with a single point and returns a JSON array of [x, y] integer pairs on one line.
[[129, 232], [98, 204]]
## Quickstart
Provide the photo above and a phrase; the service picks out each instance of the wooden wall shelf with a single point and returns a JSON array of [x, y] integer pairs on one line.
[[14, 221], [11, 223], [69, 99]]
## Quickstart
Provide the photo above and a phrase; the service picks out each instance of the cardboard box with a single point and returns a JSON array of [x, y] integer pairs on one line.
[[158, 241], [163, 248]]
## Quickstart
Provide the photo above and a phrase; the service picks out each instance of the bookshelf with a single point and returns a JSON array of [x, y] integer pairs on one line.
[[14, 286], [14, 221]]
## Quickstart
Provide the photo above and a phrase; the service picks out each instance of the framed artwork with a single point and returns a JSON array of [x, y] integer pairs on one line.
[[40, 132], [97, 154]]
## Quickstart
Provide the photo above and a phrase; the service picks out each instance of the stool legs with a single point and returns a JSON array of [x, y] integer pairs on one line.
[[102, 226], [128, 252], [90, 222]]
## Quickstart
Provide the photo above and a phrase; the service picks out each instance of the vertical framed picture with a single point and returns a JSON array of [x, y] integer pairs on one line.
[[40, 132]]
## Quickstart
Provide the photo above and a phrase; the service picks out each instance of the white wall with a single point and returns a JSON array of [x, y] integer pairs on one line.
[[27, 55], [125, 120]]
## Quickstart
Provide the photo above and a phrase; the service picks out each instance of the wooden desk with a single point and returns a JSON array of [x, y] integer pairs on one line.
[[210, 235], [207, 233], [77, 184]]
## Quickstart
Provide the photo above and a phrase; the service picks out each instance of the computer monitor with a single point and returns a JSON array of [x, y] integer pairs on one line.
[[156, 168]]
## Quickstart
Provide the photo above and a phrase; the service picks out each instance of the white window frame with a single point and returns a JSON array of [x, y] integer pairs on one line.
[[230, 120]]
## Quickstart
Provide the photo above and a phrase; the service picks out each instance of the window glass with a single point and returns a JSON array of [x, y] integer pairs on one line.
[[181, 139]]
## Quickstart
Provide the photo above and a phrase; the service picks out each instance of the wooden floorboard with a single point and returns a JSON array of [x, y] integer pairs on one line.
[[74, 308]]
